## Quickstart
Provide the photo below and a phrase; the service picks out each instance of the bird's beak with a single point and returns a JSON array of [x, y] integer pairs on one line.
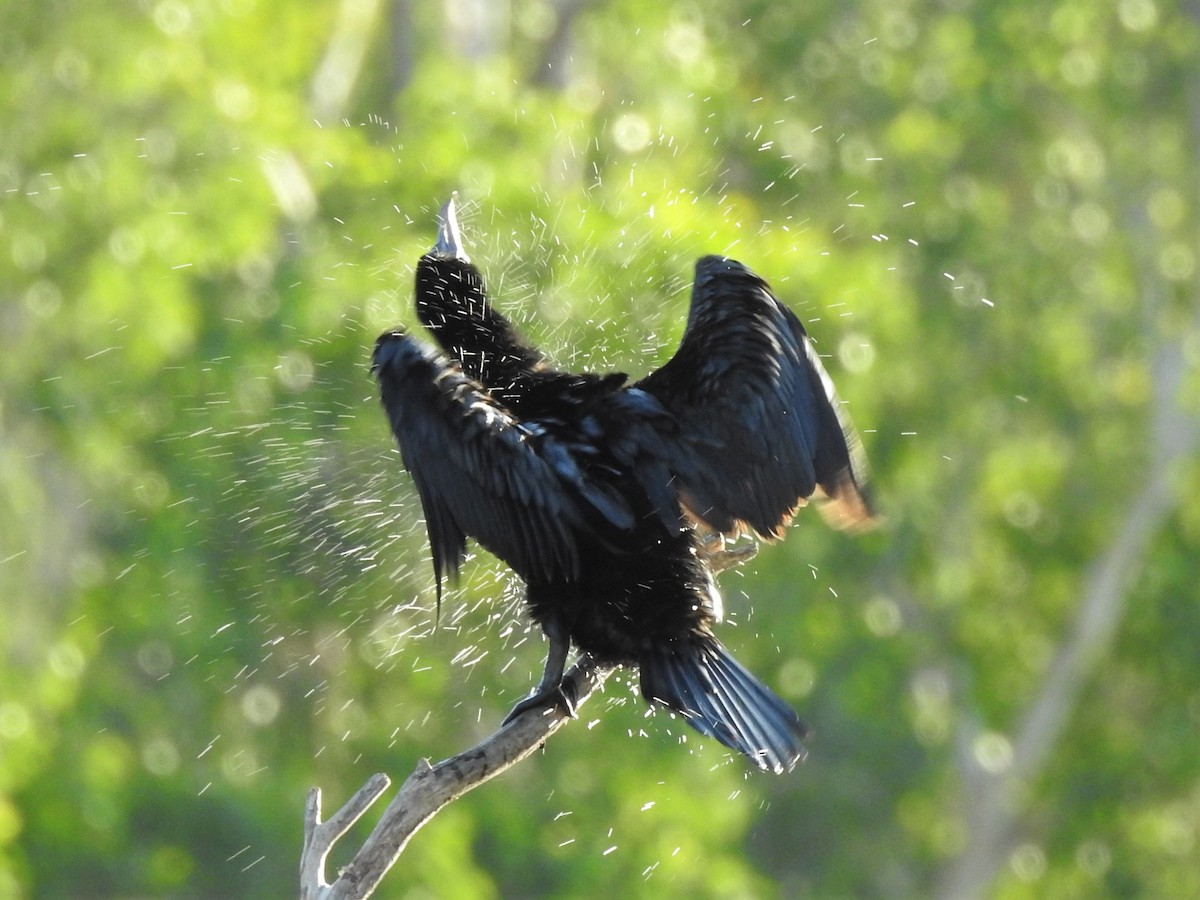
[[449, 239]]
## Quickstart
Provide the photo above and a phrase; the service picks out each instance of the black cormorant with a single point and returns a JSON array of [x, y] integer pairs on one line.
[[590, 488]]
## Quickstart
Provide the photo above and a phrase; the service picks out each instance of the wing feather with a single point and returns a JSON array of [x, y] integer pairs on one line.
[[760, 428], [483, 473]]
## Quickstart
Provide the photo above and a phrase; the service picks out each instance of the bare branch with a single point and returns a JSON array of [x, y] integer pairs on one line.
[[426, 791], [319, 837]]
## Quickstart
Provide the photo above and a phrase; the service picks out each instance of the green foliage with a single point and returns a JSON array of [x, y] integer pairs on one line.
[[216, 581]]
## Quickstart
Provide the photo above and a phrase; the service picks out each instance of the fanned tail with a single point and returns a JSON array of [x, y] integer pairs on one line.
[[698, 679]]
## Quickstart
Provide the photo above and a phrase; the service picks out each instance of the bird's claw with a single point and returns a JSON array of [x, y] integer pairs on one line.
[[718, 557], [561, 696]]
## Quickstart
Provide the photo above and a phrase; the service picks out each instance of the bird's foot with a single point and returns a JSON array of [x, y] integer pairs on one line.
[[718, 557], [560, 696], [708, 542]]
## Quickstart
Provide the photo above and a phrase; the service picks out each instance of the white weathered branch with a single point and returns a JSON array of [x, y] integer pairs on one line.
[[426, 791]]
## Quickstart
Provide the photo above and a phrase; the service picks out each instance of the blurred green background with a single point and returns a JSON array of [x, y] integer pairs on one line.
[[214, 584]]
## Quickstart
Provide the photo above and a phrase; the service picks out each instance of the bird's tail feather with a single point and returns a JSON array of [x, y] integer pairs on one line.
[[698, 679]]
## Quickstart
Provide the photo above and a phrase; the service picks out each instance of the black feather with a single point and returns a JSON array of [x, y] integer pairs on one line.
[[717, 696], [760, 427]]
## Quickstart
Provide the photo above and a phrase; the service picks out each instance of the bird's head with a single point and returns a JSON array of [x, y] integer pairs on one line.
[[452, 302], [451, 296], [449, 240]]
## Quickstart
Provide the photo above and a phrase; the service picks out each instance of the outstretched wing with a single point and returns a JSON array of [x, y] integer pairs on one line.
[[760, 427], [483, 473]]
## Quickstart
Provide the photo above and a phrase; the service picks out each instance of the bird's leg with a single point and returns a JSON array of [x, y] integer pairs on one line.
[[570, 682], [712, 551], [552, 690]]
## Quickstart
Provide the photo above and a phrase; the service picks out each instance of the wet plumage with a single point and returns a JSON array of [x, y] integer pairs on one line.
[[588, 486]]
